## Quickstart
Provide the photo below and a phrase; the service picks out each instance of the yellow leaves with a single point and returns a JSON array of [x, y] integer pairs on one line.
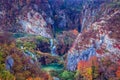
[[12, 45], [6, 75], [7, 48], [2, 67], [29, 46], [85, 69], [89, 71]]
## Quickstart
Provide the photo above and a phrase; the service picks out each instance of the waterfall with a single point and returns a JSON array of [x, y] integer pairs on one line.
[[88, 17], [84, 20], [32, 55], [52, 47]]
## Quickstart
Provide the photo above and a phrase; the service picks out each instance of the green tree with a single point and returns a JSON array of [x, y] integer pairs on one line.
[[67, 75]]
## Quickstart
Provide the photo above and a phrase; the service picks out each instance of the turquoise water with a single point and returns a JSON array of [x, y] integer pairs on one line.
[[20, 35], [52, 67]]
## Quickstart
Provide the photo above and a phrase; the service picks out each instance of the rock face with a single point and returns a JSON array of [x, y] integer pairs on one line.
[[99, 39], [34, 23], [43, 17], [76, 56], [65, 41], [40, 17], [9, 63], [46, 58]]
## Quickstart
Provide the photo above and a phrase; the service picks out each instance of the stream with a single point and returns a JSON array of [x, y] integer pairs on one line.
[[48, 67]]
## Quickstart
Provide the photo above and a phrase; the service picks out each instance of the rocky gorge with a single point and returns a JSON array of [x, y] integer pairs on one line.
[[60, 39]]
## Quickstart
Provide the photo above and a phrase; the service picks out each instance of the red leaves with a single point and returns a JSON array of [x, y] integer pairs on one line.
[[117, 45], [118, 72], [75, 32], [86, 67], [85, 64], [82, 65], [99, 51]]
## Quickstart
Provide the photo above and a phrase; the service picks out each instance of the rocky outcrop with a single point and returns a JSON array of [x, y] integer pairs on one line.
[[97, 40], [9, 63], [46, 58], [74, 58], [65, 40], [34, 23]]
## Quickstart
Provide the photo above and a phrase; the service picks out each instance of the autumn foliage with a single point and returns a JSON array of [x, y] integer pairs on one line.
[[88, 69], [99, 68], [118, 72], [22, 68]]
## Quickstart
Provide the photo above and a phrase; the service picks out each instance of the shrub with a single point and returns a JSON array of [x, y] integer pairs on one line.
[[67, 75]]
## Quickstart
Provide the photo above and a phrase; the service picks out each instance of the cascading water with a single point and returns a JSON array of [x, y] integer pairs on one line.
[[89, 15], [52, 47], [32, 55], [84, 19]]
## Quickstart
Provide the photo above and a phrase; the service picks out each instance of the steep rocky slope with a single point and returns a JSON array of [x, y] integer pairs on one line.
[[100, 39]]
